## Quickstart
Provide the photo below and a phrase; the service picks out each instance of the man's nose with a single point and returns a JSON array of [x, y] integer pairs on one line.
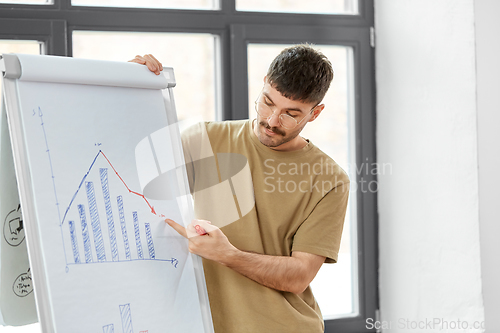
[[274, 120]]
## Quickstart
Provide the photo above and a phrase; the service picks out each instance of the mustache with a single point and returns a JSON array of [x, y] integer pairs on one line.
[[272, 129]]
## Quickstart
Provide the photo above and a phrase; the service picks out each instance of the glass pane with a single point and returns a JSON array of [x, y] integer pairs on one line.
[[170, 4], [299, 6], [191, 56], [336, 284], [28, 2], [20, 46]]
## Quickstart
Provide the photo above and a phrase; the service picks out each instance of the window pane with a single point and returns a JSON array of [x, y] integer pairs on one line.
[[20, 46], [191, 56], [170, 4], [299, 6], [28, 2], [335, 285]]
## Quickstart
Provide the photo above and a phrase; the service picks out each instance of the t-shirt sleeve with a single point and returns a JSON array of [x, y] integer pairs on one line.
[[321, 231]]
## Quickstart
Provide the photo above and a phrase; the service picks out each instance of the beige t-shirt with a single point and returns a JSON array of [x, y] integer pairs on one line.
[[268, 202]]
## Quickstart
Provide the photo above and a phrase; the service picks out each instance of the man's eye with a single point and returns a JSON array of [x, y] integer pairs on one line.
[[292, 115]]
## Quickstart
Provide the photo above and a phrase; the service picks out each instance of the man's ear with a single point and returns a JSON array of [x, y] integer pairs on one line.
[[265, 79], [317, 111]]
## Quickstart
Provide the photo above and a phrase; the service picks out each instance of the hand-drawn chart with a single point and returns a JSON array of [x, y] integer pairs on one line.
[[126, 321], [103, 219], [88, 212], [82, 222]]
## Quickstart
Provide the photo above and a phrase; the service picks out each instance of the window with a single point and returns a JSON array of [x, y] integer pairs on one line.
[[172, 4], [28, 2], [195, 81], [220, 51], [21, 46], [300, 7]]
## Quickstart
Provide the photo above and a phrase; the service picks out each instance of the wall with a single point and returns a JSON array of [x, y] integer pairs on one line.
[[487, 13], [430, 272]]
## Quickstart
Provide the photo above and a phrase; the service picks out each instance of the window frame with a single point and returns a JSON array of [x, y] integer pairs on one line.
[[53, 24], [52, 33]]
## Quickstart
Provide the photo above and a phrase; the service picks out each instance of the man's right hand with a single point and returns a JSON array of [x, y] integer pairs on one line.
[[150, 61]]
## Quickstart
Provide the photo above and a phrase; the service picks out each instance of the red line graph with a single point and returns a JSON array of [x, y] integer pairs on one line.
[[130, 191], [116, 172]]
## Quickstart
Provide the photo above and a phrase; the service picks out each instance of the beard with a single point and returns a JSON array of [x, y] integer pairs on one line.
[[272, 142]]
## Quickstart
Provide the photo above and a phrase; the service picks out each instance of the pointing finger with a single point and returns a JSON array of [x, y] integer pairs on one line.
[[177, 227]]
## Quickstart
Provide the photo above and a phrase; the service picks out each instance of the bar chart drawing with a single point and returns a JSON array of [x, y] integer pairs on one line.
[[126, 321], [126, 316], [108, 329], [74, 242], [119, 201], [109, 213], [93, 242], [149, 238], [85, 234], [97, 223], [137, 233]]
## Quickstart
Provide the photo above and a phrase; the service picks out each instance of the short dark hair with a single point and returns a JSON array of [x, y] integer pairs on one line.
[[301, 73]]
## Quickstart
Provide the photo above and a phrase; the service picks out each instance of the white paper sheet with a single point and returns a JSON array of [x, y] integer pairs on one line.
[[17, 302]]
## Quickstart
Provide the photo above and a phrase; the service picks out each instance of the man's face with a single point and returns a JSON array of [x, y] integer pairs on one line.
[[270, 132]]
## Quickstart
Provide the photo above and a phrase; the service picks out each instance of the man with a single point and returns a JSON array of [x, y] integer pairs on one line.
[[258, 266]]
